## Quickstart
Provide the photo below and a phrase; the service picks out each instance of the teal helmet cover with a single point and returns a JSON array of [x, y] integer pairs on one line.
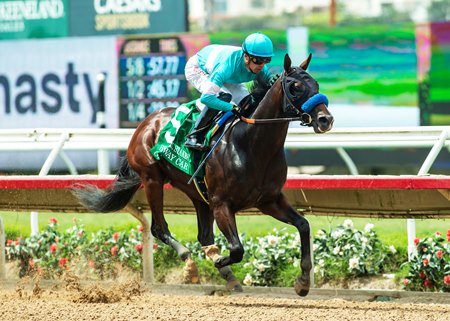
[[258, 45]]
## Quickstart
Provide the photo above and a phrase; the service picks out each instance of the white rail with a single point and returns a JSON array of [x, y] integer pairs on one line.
[[60, 140]]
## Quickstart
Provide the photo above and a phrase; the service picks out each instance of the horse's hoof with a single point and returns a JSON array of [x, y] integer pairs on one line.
[[237, 288], [234, 286], [301, 287]]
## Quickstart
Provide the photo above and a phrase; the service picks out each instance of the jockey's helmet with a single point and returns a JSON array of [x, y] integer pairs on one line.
[[258, 45]]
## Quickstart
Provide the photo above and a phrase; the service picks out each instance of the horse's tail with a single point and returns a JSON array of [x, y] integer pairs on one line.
[[113, 198]]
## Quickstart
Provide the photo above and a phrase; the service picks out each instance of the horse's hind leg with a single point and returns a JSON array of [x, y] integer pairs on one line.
[[205, 222], [154, 191], [281, 210]]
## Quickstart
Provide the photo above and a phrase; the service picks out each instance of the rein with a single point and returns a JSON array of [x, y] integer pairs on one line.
[[254, 121]]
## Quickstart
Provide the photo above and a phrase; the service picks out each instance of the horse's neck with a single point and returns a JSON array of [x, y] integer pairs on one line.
[[268, 135]]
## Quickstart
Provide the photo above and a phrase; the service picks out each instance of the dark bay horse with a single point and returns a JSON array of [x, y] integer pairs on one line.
[[247, 169]]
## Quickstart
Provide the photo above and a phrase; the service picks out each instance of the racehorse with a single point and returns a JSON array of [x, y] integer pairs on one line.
[[247, 169]]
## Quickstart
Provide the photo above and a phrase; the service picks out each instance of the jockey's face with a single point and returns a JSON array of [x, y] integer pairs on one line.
[[255, 64]]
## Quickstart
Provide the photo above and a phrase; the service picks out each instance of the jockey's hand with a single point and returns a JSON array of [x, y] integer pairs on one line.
[[236, 110]]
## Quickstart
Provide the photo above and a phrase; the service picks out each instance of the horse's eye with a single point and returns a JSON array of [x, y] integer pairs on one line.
[[296, 88]]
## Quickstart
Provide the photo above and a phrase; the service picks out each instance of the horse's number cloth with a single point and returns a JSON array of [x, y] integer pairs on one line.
[[170, 145]]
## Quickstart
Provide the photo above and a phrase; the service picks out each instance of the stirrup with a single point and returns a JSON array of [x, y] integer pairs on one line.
[[192, 143], [196, 146]]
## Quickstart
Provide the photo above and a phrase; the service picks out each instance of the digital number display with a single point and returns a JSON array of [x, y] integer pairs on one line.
[[151, 77]]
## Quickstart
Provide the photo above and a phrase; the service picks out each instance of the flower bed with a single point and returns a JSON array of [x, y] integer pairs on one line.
[[340, 255]]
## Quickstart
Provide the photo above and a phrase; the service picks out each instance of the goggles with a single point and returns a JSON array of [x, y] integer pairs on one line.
[[260, 60]]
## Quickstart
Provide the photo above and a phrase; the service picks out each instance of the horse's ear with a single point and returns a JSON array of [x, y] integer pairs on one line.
[[304, 65], [287, 63]]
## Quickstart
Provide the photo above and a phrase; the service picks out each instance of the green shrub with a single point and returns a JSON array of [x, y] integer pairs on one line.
[[345, 253], [429, 269]]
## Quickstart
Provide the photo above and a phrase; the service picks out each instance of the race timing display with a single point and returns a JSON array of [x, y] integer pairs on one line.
[[151, 77]]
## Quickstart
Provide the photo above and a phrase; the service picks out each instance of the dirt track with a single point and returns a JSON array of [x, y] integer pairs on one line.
[[131, 301]]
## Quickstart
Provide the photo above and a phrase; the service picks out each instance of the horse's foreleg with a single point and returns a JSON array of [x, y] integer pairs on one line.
[[205, 222], [281, 210], [226, 221]]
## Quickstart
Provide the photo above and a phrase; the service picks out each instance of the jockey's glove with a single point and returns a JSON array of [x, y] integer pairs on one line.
[[236, 110]]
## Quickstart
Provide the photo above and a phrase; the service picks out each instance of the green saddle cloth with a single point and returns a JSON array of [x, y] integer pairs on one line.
[[170, 145]]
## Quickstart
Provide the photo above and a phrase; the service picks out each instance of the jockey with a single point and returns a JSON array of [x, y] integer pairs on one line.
[[219, 72]]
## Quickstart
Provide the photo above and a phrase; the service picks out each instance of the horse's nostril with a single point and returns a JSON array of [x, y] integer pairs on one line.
[[323, 120]]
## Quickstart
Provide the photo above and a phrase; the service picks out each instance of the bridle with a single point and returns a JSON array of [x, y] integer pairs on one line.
[[302, 113]]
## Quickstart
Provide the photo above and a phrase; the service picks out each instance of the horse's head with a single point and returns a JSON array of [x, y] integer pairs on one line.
[[302, 97]]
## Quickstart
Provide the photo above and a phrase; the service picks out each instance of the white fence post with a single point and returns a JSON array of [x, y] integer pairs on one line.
[[43, 172]]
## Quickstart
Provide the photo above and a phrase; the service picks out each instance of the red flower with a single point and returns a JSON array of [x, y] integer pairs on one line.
[[406, 282], [428, 283], [438, 234], [53, 220], [425, 249], [31, 263], [422, 275], [155, 246], [116, 236], [9, 242], [62, 261], [91, 264], [439, 254], [53, 248], [416, 241], [114, 250], [140, 228], [138, 247], [447, 279], [425, 262]]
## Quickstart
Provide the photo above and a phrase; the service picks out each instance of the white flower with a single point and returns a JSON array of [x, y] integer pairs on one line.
[[368, 227], [296, 240], [348, 224], [248, 279], [247, 265], [321, 262], [353, 263], [296, 263], [317, 268], [347, 247], [337, 234], [430, 240], [272, 239], [392, 249], [261, 268], [320, 234], [315, 247], [336, 250], [364, 240]]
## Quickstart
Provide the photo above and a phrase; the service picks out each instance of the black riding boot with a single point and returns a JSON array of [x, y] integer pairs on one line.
[[197, 136]]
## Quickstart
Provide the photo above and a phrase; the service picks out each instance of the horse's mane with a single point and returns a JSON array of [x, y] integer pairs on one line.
[[258, 90]]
